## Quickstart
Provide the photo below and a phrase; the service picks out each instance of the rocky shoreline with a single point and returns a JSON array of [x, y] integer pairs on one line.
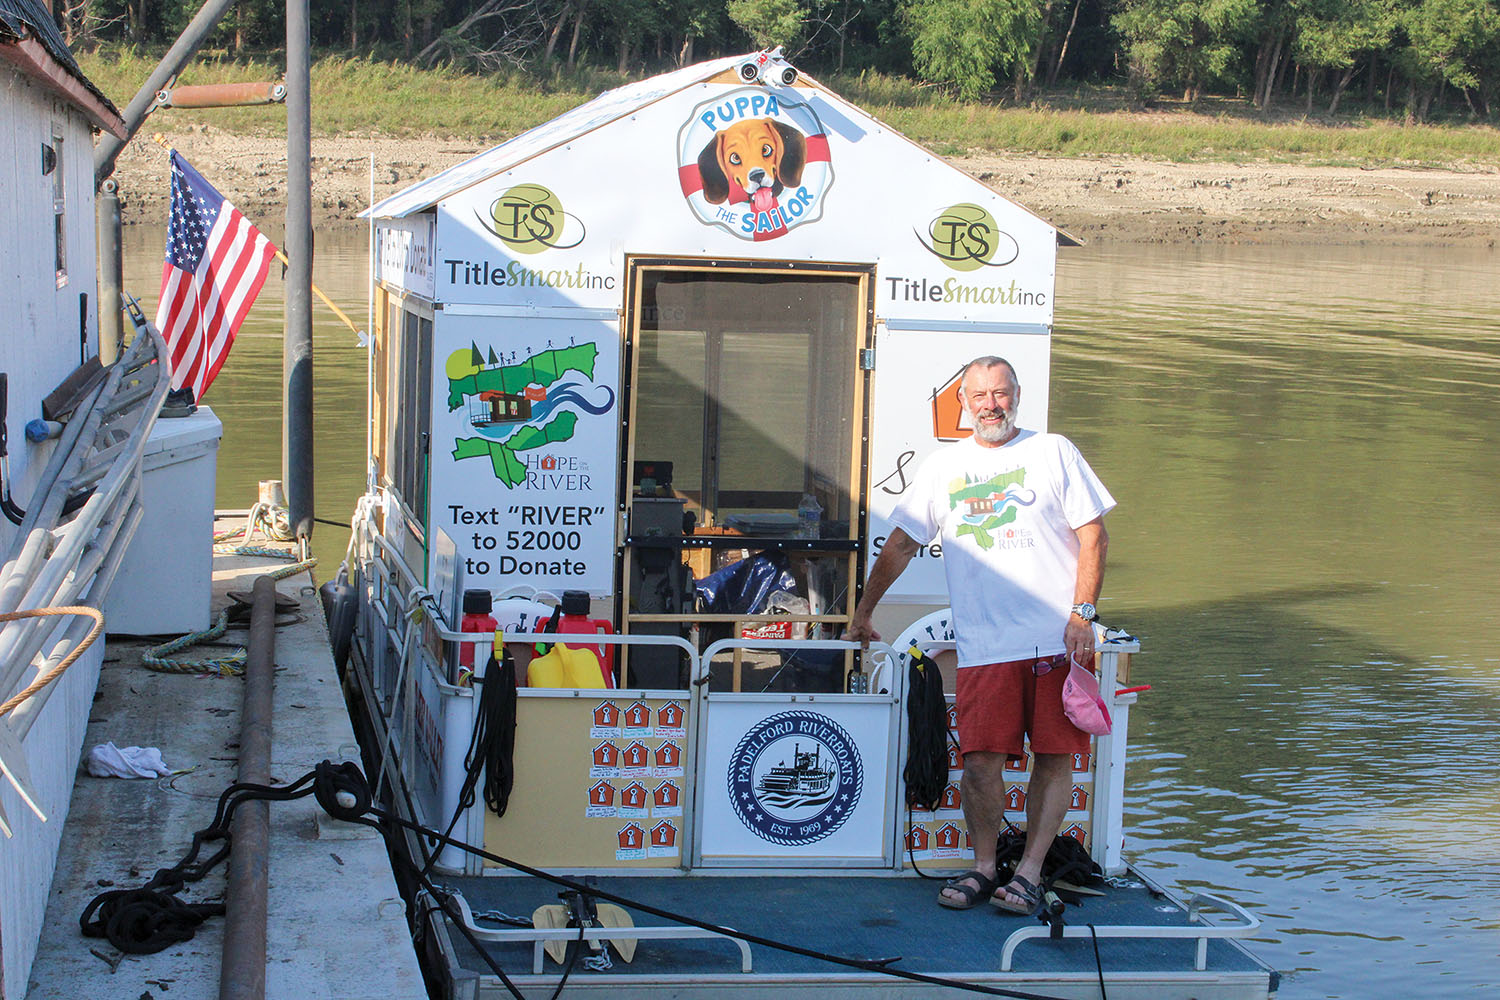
[[1114, 200]]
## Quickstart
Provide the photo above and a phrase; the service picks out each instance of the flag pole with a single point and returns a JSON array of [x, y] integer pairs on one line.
[[161, 140]]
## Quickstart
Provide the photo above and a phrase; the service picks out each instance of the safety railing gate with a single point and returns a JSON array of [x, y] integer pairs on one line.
[[796, 780]]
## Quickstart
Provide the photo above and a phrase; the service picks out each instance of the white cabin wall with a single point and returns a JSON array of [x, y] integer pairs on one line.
[[39, 340], [39, 346]]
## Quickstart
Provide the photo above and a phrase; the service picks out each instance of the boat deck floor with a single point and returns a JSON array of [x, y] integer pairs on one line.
[[859, 917]]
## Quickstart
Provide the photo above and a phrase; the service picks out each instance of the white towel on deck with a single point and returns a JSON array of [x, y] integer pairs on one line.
[[109, 761]]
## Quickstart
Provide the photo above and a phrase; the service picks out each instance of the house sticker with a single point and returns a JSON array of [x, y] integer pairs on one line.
[[606, 715], [664, 834], [664, 840], [918, 838], [948, 837], [1079, 800], [638, 716], [632, 843], [955, 758], [1081, 762], [666, 795], [633, 795], [1015, 798], [636, 756], [669, 717], [602, 794], [1078, 833], [1019, 764], [951, 798], [606, 761], [668, 759]]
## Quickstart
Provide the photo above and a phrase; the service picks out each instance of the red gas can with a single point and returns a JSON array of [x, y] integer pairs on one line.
[[477, 618], [574, 618]]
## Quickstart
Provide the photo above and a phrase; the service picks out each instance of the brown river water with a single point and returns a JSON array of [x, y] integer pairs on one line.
[[1303, 442]]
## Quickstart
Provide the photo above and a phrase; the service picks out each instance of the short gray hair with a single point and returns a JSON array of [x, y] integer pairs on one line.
[[988, 361]]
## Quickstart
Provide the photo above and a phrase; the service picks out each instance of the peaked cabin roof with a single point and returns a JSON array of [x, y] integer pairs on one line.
[[609, 106], [29, 39]]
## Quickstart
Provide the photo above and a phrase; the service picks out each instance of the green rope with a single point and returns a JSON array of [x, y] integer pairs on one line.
[[231, 664]]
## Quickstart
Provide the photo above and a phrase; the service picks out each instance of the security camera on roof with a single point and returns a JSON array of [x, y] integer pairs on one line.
[[768, 66]]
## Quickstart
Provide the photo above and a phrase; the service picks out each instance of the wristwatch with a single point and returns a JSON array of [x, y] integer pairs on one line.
[[1086, 611]]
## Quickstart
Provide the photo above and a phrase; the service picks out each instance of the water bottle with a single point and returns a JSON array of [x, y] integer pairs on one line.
[[809, 517]]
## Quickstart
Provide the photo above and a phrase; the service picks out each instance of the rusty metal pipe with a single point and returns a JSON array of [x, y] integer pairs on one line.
[[221, 95], [242, 972]]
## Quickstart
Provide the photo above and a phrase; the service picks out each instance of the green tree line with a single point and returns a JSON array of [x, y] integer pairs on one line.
[[1406, 56]]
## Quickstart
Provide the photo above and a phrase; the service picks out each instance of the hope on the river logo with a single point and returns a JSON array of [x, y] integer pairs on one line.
[[753, 163], [795, 777], [966, 237], [991, 504], [529, 219], [518, 407]]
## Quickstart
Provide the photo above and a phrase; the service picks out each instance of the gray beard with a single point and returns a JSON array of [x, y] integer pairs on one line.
[[997, 433]]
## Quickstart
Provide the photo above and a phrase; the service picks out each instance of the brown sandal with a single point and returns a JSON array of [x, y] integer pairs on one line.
[[972, 896]]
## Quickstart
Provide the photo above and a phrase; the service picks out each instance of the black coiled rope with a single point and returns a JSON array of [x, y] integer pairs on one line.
[[151, 918], [341, 789], [926, 772]]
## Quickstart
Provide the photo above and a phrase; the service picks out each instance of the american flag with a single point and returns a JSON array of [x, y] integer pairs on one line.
[[216, 264]]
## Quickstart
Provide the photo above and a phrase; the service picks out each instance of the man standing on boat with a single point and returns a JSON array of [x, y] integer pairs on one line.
[[1021, 520]]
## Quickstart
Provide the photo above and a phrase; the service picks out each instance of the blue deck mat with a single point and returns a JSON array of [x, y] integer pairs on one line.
[[858, 917]]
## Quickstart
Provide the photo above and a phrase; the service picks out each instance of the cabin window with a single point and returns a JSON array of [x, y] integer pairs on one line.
[[59, 209], [408, 407]]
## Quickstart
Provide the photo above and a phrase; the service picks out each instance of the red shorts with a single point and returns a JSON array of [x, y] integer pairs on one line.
[[999, 704]]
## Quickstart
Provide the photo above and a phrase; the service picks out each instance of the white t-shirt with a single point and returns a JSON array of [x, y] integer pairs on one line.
[[1006, 517]]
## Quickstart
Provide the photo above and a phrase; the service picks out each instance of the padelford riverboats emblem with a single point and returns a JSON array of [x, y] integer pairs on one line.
[[795, 777]]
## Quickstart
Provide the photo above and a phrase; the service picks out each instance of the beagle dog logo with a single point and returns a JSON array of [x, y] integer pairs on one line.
[[754, 163]]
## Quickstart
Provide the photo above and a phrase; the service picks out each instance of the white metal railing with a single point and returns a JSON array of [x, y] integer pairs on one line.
[[1202, 932], [59, 560], [387, 567]]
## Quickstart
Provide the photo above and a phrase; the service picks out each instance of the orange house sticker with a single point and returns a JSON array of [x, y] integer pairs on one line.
[[949, 422], [630, 837], [955, 757], [1081, 762], [606, 715], [1080, 799], [951, 798], [1015, 798], [602, 794], [669, 754], [947, 836], [548, 462], [637, 715], [1019, 764], [917, 838], [1077, 832], [606, 754], [636, 754], [669, 715], [664, 834], [952, 718], [666, 795], [634, 796]]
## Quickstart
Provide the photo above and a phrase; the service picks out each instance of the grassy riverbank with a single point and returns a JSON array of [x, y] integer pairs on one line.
[[363, 98]]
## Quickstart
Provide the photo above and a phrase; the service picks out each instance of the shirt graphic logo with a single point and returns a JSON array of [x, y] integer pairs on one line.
[[989, 505]]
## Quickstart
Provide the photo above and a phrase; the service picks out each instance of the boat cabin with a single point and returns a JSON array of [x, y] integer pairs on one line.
[[697, 322], [646, 382]]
